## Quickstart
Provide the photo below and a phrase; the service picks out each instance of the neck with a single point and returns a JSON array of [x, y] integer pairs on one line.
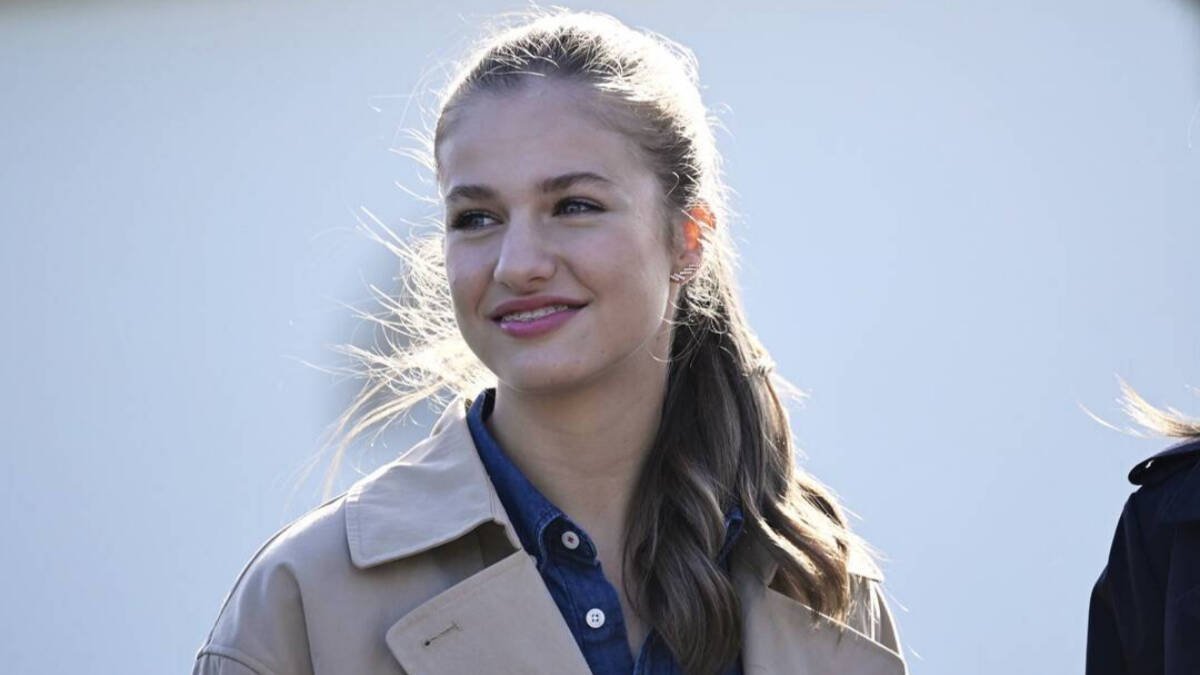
[[584, 448]]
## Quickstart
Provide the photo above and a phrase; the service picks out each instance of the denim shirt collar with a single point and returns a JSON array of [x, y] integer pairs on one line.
[[533, 516], [530, 512]]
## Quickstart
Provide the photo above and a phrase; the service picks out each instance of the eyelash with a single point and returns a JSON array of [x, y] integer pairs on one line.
[[459, 221]]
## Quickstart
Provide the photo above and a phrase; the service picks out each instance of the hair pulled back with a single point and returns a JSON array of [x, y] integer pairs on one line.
[[724, 437]]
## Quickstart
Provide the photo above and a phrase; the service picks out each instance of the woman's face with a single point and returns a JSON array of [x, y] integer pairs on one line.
[[557, 246]]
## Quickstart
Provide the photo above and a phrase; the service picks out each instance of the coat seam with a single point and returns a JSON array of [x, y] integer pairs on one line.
[[237, 656]]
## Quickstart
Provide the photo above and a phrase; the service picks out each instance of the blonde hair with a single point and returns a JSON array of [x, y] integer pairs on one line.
[[1167, 422], [725, 436]]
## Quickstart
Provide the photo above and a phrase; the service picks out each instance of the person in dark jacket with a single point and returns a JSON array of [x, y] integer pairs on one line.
[[1145, 607]]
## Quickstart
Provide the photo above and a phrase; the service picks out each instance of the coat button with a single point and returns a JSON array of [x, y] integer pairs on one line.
[[570, 540], [595, 617]]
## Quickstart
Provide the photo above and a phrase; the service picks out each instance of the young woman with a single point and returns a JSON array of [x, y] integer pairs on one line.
[[1145, 608], [614, 487]]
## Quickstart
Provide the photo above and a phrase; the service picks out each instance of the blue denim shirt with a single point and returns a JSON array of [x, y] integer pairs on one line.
[[566, 559]]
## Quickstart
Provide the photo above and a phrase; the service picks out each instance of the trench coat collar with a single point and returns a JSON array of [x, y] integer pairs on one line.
[[439, 491], [434, 493]]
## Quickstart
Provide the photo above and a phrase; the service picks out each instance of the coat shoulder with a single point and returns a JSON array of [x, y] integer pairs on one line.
[[261, 625], [311, 590], [1161, 466], [1169, 486], [301, 548], [1139, 609], [870, 613]]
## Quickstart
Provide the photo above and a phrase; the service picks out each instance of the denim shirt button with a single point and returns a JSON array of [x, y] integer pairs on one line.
[[570, 540], [595, 617]]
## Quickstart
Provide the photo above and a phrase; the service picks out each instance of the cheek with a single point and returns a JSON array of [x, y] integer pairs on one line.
[[639, 269], [467, 279]]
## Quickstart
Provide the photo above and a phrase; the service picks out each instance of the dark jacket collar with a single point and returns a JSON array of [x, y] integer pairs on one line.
[[1181, 464]]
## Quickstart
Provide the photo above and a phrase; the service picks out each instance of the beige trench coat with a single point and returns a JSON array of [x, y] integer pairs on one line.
[[417, 570]]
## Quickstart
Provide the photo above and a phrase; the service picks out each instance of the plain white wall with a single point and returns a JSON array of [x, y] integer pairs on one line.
[[959, 222]]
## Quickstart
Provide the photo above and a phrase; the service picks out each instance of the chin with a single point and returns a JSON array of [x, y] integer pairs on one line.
[[545, 377], [541, 381]]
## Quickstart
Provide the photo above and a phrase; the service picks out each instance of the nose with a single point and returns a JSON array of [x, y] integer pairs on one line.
[[525, 260]]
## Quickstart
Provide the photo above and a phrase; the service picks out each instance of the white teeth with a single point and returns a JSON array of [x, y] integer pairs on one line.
[[534, 314]]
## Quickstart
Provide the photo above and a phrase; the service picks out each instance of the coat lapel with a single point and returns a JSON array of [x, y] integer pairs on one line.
[[500, 620], [781, 637]]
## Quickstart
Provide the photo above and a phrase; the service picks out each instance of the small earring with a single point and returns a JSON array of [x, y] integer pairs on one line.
[[684, 274]]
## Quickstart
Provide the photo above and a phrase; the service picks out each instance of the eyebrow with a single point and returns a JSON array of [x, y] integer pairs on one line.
[[555, 184]]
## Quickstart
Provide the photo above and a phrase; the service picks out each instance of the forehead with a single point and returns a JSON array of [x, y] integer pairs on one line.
[[519, 137]]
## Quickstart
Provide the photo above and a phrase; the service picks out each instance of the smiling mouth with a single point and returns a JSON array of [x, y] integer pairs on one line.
[[534, 314]]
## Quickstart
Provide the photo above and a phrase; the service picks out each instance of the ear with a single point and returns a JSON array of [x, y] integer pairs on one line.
[[696, 223]]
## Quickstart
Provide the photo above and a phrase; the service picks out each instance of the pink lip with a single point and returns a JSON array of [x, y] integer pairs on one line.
[[531, 302], [540, 326]]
